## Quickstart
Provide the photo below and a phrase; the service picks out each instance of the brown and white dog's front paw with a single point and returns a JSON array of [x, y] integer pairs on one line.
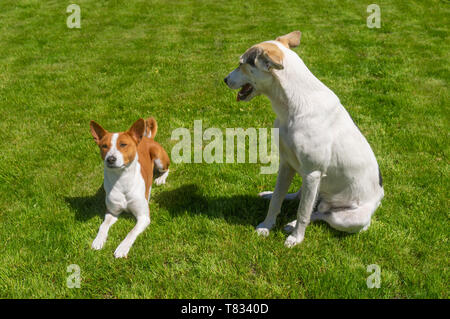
[[98, 243]]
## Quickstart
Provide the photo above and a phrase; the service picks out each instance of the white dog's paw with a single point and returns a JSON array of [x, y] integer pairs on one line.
[[291, 241], [266, 195], [122, 251], [263, 230], [98, 243], [290, 226], [162, 179]]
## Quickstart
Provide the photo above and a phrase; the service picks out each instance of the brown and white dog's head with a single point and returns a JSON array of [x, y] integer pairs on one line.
[[255, 73], [118, 150]]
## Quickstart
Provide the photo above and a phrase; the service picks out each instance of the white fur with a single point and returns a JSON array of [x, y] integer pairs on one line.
[[319, 141], [125, 191]]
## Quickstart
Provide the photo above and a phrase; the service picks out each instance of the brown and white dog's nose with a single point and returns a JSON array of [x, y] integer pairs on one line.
[[111, 159]]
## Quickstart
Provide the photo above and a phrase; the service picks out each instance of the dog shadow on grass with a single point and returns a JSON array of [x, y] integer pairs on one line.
[[234, 209], [87, 207], [188, 199]]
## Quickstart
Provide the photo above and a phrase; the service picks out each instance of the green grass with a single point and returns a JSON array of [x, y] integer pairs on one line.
[[167, 59]]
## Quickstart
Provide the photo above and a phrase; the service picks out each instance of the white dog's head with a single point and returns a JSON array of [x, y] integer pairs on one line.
[[255, 73]]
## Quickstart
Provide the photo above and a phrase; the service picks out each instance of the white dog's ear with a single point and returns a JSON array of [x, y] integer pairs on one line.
[[266, 61], [290, 40]]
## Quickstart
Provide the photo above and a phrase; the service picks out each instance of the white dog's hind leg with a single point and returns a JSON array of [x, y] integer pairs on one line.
[[350, 220], [322, 207], [284, 179], [290, 196]]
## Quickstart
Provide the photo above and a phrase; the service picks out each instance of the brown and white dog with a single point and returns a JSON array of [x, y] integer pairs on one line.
[[130, 158]]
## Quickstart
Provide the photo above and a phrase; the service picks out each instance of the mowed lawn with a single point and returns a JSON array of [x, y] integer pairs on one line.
[[167, 59]]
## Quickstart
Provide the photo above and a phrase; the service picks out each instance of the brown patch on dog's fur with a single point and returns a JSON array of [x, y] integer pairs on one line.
[[290, 40], [102, 137], [272, 51], [127, 142], [269, 49], [105, 145], [148, 152], [127, 146]]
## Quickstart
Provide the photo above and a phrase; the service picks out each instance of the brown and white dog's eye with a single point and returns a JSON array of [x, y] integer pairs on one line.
[[104, 146], [123, 145]]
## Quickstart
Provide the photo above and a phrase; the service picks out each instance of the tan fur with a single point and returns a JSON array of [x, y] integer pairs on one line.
[[272, 51], [127, 146], [290, 40], [269, 49], [102, 137]]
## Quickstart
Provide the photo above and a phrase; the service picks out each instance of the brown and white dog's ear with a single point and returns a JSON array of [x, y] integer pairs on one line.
[[290, 40], [137, 130], [97, 131], [269, 59]]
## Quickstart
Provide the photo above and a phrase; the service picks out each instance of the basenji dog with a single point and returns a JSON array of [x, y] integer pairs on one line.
[[317, 139], [130, 160]]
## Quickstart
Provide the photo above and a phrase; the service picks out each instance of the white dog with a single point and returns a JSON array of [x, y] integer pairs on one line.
[[318, 140]]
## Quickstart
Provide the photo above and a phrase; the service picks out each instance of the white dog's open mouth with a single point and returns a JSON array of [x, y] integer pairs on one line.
[[244, 92]]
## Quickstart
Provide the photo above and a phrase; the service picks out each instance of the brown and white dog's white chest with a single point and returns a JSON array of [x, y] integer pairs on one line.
[[125, 186], [126, 190]]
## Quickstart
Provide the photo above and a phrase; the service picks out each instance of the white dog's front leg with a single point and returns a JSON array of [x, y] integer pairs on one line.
[[102, 235], [308, 196], [284, 179], [143, 220]]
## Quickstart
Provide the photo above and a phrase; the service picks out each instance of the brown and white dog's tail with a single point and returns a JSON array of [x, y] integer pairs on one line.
[[151, 127]]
